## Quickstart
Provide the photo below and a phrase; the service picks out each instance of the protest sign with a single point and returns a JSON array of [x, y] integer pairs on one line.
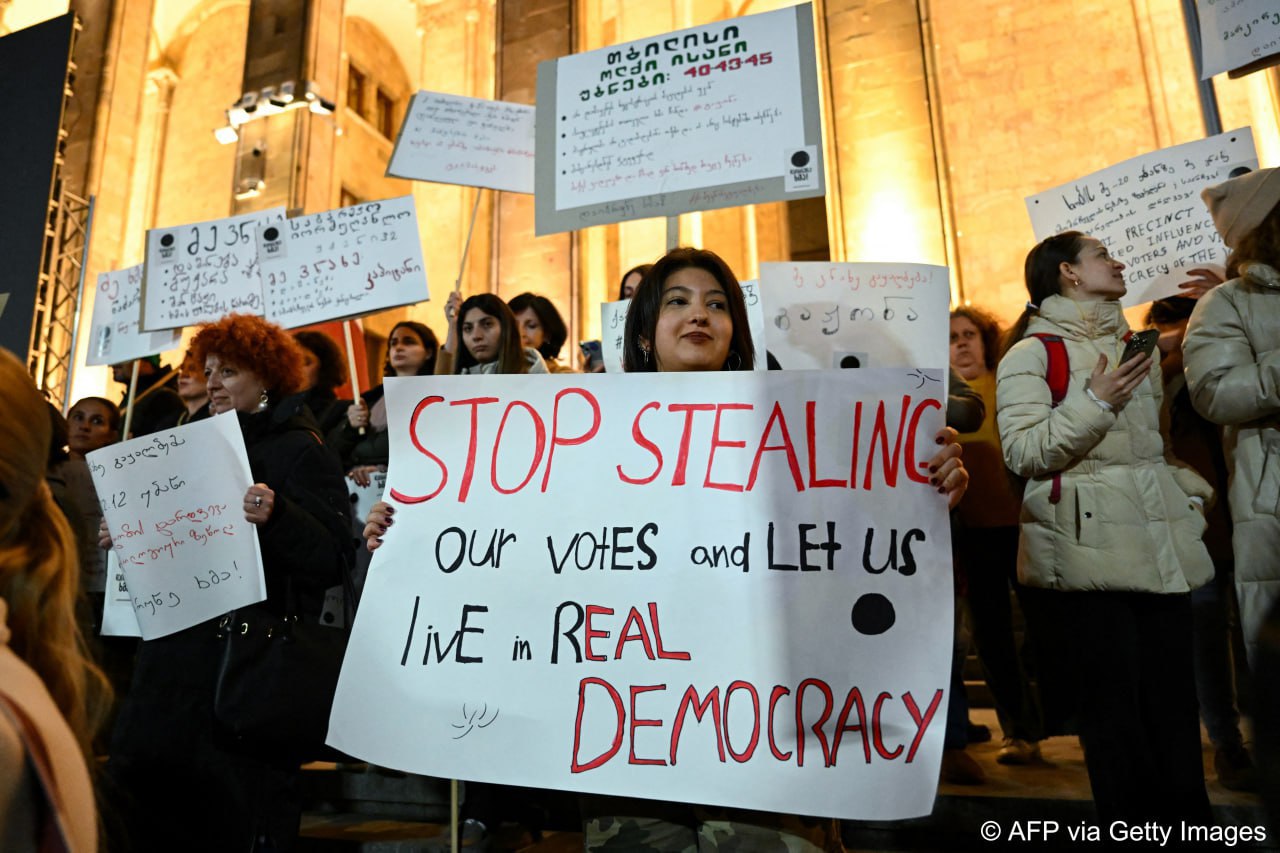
[[118, 618], [728, 587], [824, 315], [199, 272], [613, 322], [474, 142], [1147, 211], [341, 263], [755, 320], [715, 116], [173, 505], [114, 332], [1237, 34]]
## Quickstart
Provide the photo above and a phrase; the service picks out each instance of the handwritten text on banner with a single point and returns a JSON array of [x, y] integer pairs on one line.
[[729, 588], [173, 503], [115, 334], [1236, 33], [1148, 211], [713, 116], [341, 263], [824, 315], [199, 272], [474, 142]]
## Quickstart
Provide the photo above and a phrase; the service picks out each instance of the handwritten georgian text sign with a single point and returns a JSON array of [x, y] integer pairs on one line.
[[715, 116], [1236, 34], [474, 142], [824, 315], [115, 335], [341, 263], [1148, 211], [174, 505], [729, 588], [118, 618], [613, 326], [197, 273]]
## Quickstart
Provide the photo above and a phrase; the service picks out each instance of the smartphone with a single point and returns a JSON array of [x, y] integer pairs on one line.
[[591, 351], [1140, 343]]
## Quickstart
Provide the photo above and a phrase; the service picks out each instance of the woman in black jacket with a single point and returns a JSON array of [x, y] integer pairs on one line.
[[183, 786], [361, 439]]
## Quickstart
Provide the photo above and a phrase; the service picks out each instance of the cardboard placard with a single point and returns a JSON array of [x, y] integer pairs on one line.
[[726, 587]]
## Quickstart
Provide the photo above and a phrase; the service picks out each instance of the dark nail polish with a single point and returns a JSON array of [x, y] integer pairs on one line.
[[937, 441], [941, 490], [933, 481], [933, 469]]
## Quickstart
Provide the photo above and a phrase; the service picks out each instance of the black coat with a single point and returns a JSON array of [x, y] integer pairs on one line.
[[165, 753], [373, 448]]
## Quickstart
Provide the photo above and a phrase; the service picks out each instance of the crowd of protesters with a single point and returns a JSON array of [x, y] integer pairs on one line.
[[1116, 515]]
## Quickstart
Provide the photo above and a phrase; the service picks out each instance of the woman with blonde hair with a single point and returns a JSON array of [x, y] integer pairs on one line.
[[52, 697]]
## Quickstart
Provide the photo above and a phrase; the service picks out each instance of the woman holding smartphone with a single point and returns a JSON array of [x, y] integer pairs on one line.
[[1110, 528]]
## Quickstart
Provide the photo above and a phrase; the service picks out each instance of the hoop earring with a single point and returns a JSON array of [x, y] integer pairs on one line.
[[644, 353], [263, 402], [734, 361]]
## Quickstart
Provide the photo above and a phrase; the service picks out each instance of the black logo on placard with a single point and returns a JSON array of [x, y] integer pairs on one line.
[[166, 240], [272, 233], [800, 159], [166, 247], [801, 174]]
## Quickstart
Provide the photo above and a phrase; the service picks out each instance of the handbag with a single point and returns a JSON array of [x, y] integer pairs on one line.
[[277, 678]]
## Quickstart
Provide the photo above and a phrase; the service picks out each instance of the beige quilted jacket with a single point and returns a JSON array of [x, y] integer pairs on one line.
[[1124, 519], [1232, 361]]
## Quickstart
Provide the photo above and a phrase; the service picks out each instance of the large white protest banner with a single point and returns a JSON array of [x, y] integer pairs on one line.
[[1236, 34], [342, 263], [172, 501], [474, 142], [115, 334], [1148, 212], [729, 588], [824, 315], [720, 115], [199, 272]]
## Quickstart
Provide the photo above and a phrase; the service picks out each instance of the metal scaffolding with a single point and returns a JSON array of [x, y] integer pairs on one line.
[[65, 240]]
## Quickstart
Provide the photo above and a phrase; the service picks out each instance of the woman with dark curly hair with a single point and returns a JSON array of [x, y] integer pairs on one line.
[[361, 440], [187, 787], [489, 337], [324, 371], [541, 328]]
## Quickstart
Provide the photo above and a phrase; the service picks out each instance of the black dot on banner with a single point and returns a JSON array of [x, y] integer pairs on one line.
[[166, 240], [271, 234], [873, 614], [800, 159]]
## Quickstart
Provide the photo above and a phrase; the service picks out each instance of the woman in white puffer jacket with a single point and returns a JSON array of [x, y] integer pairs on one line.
[[1111, 528], [1231, 355]]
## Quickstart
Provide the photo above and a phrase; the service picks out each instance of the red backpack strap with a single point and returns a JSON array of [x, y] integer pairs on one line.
[[1058, 375]]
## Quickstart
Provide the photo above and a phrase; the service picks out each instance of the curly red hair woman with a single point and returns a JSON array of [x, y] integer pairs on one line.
[[185, 779]]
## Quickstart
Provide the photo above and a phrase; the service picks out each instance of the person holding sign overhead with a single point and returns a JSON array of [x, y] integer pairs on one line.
[[187, 787], [491, 341], [1110, 529], [362, 440]]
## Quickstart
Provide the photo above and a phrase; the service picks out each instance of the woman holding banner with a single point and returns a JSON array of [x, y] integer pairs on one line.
[[1109, 529], [187, 789], [362, 440], [689, 314]]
